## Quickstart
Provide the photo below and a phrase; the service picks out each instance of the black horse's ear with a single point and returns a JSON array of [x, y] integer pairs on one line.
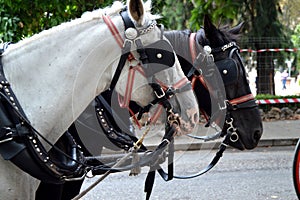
[[237, 29], [209, 27]]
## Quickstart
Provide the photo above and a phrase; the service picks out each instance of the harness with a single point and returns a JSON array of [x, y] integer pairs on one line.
[[20, 143], [228, 69]]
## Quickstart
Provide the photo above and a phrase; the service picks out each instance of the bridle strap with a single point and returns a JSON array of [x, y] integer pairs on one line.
[[243, 102], [242, 99]]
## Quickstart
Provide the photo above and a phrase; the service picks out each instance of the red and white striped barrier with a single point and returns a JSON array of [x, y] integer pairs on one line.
[[269, 50], [275, 101]]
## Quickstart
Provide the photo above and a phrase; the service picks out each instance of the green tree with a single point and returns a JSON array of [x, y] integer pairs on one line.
[[19, 18], [265, 31]]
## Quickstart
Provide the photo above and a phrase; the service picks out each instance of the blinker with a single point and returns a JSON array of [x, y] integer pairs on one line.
[[160, 57], [228, 69]]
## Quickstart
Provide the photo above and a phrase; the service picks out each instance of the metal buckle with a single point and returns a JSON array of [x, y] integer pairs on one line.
[[224, 106], [234, 137], [160, 96]]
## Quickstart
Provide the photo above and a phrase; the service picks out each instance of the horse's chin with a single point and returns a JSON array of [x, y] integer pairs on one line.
[[241, 145]]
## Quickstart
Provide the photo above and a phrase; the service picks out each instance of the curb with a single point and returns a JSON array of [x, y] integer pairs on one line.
[[215, 145]]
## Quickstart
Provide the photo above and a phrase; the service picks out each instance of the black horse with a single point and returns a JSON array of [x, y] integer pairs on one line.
[[242, 110], [236, 103]]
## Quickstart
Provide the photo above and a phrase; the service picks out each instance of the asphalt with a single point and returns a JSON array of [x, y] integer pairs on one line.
[[276, 133]]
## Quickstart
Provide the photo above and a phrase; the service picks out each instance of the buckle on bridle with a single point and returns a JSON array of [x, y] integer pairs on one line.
[[159, 96], [224, 106]]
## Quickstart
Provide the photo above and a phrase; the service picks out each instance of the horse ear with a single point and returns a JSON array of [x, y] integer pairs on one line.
[[136, 11], [209, 27], [237, 29]]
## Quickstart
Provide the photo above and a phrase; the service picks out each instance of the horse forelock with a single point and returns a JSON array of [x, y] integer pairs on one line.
[[229, 36]]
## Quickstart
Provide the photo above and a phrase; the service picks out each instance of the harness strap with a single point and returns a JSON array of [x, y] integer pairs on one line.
[[122, 61]]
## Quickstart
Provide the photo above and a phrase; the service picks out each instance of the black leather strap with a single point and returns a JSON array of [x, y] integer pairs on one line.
[[126, 19]]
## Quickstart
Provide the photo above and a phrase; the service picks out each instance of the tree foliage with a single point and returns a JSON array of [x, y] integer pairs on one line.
[[19, 18]]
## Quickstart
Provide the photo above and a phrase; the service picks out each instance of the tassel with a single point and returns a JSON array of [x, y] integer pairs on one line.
[[135, 160]]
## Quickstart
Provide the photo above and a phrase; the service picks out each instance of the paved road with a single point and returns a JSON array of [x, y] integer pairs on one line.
[[261, 174]]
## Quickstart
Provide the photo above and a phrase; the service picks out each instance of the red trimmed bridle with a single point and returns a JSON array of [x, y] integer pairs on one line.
[[243, 102], [235, 103], [162, 92]]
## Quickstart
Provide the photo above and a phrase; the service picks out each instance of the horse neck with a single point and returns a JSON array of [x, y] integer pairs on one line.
[[57, 73]]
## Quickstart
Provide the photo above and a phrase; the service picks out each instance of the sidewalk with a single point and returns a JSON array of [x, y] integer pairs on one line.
[[276, 133]]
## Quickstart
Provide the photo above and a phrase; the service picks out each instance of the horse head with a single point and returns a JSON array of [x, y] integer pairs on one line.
[[159, 67], [242, 116]]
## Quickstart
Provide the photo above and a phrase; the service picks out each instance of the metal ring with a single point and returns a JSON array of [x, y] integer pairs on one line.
[[234, 137]]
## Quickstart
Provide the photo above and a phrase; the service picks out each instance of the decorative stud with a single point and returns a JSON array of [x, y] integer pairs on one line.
[[159, 55], [131, 33], [225, 71], [207, 49]]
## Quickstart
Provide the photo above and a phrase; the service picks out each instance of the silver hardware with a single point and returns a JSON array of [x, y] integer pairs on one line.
[[131, 33], [226, 46], [223, 107], [234, 137], [148, 29], [207, 49], [225, 71], [159, 55], [160, 96]]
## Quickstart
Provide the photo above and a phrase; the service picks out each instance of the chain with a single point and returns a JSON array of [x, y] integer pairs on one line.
[[149, 28]]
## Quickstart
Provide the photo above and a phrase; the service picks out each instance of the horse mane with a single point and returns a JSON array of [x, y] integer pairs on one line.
[[225, 29]]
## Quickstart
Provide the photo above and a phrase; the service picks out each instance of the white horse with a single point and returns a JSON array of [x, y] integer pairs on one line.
[[57, 73]]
